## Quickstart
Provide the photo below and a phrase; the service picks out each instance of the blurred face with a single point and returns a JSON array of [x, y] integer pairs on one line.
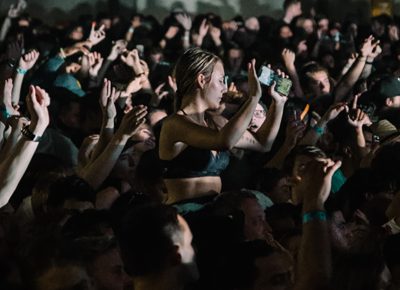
[[107, 22], [281, 192], [285, 32], [77, 33], [323, 25], [393, 102], [71, 115], [108, 273], [319, 83], [258, 119], [275, 272], [125, 166], [216, 87], [308, 26], [73, 68], [255, 225]]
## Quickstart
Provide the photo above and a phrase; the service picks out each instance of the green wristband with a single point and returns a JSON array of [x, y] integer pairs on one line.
[[314, 216]]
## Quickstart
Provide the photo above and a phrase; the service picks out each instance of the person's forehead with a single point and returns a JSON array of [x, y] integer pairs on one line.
[[219, 69]]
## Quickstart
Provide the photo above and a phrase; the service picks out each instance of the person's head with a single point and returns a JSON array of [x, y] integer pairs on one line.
[[274, 183], [199, 72], [307, 24], [255, 226], [259, 116], [285, 32], [292, 7], [387, 92], [296, 164], [255, 265], [70, 193], [155, 240], [76, 33], [316, 79], [65, 276]]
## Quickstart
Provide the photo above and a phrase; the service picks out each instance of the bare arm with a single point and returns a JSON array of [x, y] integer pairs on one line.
[[314, 262], [14, 166], [289, 59], [98, 170], [352, 76]]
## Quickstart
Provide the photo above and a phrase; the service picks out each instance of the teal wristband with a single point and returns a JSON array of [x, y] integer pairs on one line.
[[21, 71], [319, 130], [314, 216], [4, 113]]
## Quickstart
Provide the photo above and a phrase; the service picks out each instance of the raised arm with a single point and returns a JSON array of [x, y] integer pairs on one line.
[[354, 73], [186, 22], [108, 96], [289, 58], [180, 129], [314, 265], [14, 166], [98, 170], [26, 62]]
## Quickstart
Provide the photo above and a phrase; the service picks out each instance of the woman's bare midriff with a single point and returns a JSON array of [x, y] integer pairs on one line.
[[186, 188]]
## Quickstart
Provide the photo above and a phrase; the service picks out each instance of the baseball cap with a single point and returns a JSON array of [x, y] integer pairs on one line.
[[387, 87]]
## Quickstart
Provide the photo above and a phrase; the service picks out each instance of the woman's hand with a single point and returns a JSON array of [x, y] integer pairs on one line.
[[108, 96], [132, 121], [28, 60], [37, 102], [254, 83]]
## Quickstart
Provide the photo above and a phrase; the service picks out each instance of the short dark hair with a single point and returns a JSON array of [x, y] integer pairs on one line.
[[304, 150], [70, 187], [288, 3], [145, 238], [241, 268]]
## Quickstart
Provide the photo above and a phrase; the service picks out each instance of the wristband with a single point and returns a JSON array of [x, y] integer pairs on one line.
[[131, 29], [29, 135], [319, 130], [4, 113], [314, 216], [392, 227], [21, 71], [369, 62]]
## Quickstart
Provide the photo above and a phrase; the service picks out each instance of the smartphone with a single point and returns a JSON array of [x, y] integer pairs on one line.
[[140, 49], [268, 76]]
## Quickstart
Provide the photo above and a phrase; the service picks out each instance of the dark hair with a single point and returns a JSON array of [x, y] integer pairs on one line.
[[288, 3], [241, 270], [267, 178], [145, 238], [70, 187], [228, 202], [305, 150], [193, 62]]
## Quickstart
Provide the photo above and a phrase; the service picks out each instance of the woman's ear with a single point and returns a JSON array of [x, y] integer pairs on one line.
[[201, 81]]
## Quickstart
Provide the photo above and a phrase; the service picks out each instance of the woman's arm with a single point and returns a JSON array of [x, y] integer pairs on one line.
[[14, 166], [181, 129]]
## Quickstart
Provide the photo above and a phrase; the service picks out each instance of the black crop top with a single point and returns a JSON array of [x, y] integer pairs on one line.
[[195, 162]]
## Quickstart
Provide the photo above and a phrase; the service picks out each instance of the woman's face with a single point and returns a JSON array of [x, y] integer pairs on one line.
[[77, 33], [285, 32], [216, 87]]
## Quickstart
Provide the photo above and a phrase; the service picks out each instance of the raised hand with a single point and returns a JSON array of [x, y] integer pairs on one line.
[[118, 48], [108, 96], [95, 63], [132, 121], [289, 58], [171, 32], [132, 60], [160, 93], [96, 36], [204, 27], [333, 112], [254, 83], [315, 185], [28, 60], [294, 132], [184, 20], [277, 97], [37, 102], [356, 117], [368, 46], [15, 10], [172, 83]]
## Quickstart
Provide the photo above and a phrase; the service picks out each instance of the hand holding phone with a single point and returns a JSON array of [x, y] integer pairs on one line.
[[268, 76]]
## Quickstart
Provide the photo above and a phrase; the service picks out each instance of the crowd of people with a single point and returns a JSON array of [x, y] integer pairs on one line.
[[153, 154]]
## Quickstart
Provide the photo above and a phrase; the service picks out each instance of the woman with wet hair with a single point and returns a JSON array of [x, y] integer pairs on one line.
[[194, 141]]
